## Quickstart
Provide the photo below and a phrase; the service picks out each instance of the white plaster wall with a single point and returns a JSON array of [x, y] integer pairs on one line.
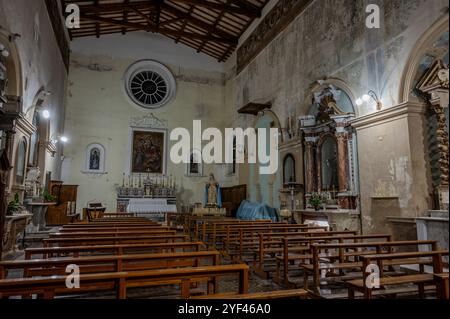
[[41, 61], [98, 111], [142, 45]]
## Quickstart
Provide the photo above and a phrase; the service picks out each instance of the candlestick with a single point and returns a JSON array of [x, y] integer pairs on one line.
[[123, 180]]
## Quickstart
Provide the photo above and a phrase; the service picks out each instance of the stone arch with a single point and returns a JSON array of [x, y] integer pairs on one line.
[[417, 53], [13, 65], [320, 85]]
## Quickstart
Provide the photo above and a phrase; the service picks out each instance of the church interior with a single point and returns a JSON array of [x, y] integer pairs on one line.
[[224, 149]]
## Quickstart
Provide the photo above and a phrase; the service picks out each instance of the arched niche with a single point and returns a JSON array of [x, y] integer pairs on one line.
[[345, 99], [264, 188], [418, 61], [426, 79], [329, 144], [195, 165], [20, 164], [289, 175], [95, 159]]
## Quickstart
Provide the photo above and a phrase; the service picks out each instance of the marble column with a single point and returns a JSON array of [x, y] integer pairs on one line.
[[342, 161], [309, 167]]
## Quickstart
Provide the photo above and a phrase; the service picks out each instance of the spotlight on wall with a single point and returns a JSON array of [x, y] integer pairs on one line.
[[64, 139], [59, 138], [366, 98], [46, 114]]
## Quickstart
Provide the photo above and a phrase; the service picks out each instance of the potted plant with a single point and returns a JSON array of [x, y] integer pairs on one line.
[[48, 198], [13, 206], [316, 200]]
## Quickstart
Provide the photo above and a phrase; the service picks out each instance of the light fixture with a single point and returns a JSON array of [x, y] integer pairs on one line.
[[3, 51], [46, 114], [366, 98], [59, 138], [359, 102]]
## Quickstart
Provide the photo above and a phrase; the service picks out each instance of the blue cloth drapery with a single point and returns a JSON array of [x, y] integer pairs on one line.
[[254, 211]]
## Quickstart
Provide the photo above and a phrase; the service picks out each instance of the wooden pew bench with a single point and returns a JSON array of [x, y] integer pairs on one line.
[[49, 242], [127, 233], [109, 263], [270, 245], [442, 285], [434, 257], [341, 259], [287, 258], [119, 249], [113, 228], [279, 294], [51, 287]]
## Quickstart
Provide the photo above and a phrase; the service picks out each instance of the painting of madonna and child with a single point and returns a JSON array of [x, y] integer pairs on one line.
[[148, 152]]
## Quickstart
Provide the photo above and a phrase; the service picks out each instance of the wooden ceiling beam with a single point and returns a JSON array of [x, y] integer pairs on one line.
[[119, 7], [197, 22], [222, 7], [153, 29], [248, 6]]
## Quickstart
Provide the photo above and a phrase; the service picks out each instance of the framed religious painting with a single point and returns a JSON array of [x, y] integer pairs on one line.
[[95, 159], [148, 151]]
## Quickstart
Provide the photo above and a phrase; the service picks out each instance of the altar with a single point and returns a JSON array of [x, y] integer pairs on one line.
[[152, 208]]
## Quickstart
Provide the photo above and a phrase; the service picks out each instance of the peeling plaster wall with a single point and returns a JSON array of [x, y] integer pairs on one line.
[[330, 39], [395, 172], [41, 62], [98, 111]]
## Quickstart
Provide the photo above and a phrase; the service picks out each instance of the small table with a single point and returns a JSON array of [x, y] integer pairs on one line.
[[38, 222]]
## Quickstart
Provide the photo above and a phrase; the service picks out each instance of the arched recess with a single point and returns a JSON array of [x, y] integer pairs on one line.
[[420, 49], [331, 109], [425, 79], [321, 85], [265, 188]]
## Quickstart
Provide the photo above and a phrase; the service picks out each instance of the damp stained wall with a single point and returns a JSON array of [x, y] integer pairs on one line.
[[98, 111]]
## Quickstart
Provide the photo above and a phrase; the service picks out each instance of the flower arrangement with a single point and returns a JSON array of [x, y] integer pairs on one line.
[[316, 200], [13, 206], [49, 198]]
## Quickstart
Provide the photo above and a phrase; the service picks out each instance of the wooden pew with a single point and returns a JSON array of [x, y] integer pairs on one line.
[[380, 259], [50, 287], [271, 244], [109, 263], [343, 256], [106, 229], [117, 224], [212, 228], [120, 233], [50, 242], [245, 240], [119, 249], [286, 257], [441, 281], [267, 295]]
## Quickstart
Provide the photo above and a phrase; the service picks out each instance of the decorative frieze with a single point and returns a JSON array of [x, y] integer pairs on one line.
[[271, 25]]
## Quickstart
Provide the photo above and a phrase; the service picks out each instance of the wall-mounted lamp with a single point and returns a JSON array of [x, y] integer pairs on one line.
[[366, 98], [45, 114], [59, 138]]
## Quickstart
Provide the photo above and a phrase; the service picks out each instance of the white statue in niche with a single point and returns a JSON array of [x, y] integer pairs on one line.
[[32, 184]]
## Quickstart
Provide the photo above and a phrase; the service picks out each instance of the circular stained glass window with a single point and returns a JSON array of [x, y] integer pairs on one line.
[[149, 84]]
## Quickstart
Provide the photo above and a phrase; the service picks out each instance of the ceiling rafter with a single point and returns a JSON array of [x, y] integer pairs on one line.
[[142, 27], [209, 26]]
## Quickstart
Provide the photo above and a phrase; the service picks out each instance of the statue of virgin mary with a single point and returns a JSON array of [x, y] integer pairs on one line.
[[213, 198]]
